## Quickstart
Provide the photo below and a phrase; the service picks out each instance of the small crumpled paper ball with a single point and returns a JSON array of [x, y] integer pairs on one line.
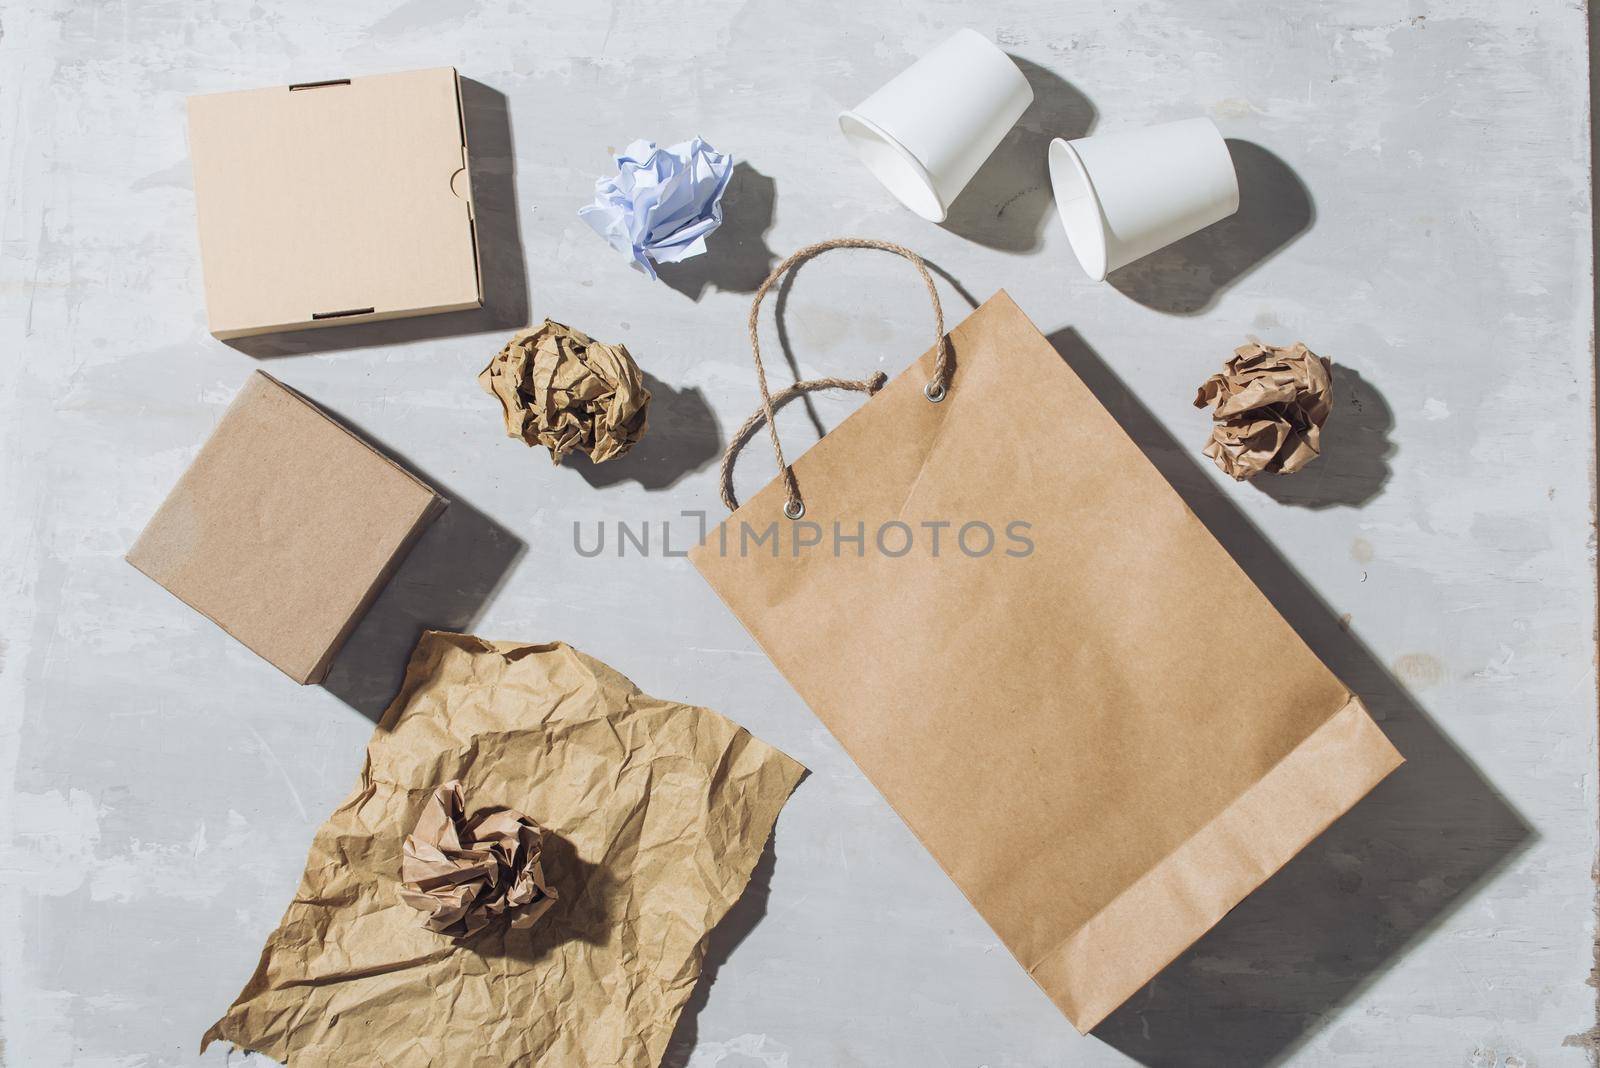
[[563, 390], [662, 203], [1270, 407], [467, 872]]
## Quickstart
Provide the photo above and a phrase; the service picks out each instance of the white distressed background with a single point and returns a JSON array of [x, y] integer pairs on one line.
[[1416, 207]]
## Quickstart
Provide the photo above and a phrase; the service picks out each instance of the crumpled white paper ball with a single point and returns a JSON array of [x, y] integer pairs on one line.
[[662, 203]]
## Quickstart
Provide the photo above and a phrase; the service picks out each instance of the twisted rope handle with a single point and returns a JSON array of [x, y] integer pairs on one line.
[[794, 506]]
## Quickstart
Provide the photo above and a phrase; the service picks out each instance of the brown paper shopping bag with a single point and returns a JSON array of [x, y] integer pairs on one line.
[[1063, 684]]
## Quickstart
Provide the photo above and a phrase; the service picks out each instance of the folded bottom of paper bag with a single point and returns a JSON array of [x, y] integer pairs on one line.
[[1119, 949]]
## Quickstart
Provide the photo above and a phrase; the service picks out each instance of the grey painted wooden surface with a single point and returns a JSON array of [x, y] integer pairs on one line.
[[1415, 207]]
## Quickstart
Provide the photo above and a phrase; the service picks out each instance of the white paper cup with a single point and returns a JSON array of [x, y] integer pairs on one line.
[[1126, 194], [926, 133]]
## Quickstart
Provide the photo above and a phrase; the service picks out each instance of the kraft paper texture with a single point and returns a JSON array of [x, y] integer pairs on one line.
[[654, 813], [560, 388], [1107, 739], [285, 528], [465, 871], [1269, 407]]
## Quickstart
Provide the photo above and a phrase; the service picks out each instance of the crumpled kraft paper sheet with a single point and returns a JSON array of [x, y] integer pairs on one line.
[[465, 871], [1270, 407], [655, 814], [560, 388]]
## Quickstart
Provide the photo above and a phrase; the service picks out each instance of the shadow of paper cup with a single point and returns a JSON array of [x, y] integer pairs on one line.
[[926, 133], [1125, 194]]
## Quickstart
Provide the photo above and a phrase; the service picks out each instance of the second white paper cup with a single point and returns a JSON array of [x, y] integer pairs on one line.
[[1126, 194], [926, 133]]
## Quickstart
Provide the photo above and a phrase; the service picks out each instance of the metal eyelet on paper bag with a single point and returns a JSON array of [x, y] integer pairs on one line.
[[770, 402]]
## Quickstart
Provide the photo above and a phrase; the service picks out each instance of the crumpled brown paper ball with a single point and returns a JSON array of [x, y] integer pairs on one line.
[[466, 872], [1270, 407], [563, 390]]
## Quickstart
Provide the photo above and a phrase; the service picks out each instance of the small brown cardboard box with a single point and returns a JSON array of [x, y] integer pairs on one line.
[[334, 202], [284, 528]]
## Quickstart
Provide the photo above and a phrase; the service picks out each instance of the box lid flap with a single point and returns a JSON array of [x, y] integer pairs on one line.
[[333, 199]]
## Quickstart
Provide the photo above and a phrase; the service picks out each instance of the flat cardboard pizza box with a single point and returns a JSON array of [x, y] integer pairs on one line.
[[334, 202], [284, 528]]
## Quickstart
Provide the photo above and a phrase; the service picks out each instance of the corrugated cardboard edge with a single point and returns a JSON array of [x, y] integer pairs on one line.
[[428, 514], [471, 198], [234, 334], [1099, 966]]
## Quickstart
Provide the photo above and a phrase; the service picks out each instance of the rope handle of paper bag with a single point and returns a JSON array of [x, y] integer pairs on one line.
[[794, 506]]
